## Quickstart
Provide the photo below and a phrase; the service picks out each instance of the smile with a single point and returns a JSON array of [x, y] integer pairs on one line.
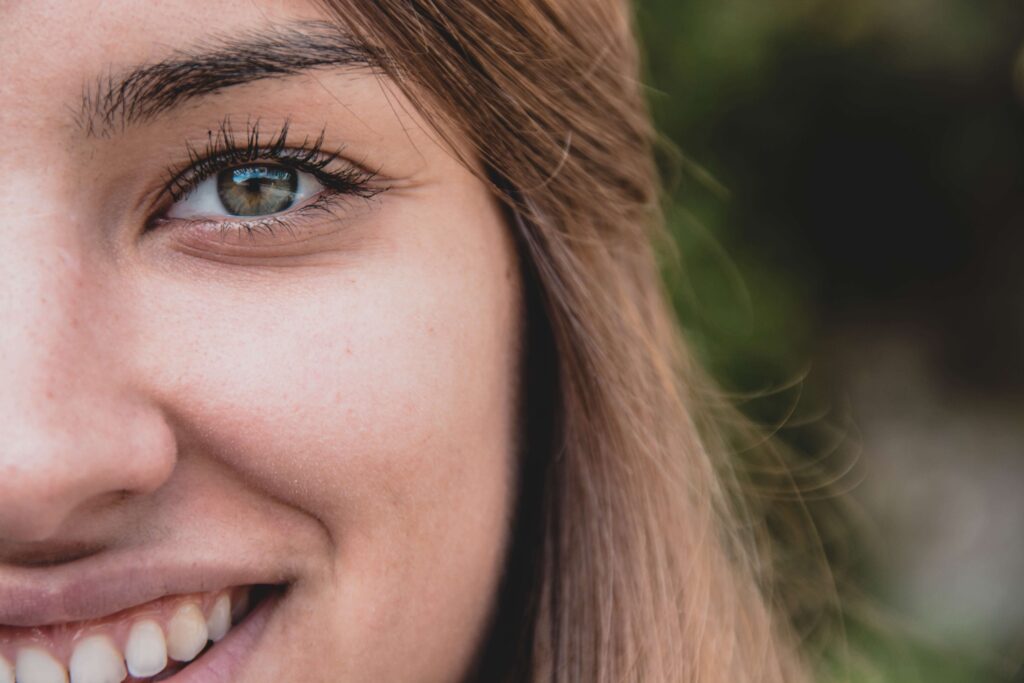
[[191, 638]]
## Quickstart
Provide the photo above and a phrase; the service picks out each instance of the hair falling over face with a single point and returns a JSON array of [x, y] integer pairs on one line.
[[636, 554]]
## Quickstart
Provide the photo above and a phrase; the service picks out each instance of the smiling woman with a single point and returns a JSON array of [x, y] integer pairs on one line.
[[332, 349]]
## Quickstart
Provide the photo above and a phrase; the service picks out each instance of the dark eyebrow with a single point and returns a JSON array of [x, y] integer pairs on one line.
[[114, 102]]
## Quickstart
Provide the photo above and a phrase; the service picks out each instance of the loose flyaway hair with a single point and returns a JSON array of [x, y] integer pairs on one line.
[[640, 550]]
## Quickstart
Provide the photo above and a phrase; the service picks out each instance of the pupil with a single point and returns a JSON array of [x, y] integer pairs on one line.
[[257, 190]]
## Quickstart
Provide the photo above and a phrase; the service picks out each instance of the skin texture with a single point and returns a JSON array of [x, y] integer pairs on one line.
[[335, 407]]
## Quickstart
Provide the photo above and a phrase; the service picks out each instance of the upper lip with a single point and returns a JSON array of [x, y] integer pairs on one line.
[[101, 586]]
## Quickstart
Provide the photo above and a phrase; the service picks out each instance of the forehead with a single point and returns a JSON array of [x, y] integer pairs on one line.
[[53, 50]]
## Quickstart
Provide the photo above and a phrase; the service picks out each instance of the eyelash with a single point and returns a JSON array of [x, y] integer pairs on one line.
[[224, 149]]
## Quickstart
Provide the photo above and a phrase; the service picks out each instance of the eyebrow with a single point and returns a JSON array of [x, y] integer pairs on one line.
[[114, 102]]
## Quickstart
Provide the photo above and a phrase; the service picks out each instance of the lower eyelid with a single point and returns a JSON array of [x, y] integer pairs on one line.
[[327, 214]]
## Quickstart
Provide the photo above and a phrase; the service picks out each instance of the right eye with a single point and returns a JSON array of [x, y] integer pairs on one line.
[[251, 190]]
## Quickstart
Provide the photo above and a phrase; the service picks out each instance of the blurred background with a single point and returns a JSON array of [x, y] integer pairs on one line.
[[849, 209]]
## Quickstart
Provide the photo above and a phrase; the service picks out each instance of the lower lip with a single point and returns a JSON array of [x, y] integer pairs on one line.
[[224, 660]]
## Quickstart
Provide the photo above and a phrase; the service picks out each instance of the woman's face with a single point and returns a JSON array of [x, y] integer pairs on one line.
[[233, 353]]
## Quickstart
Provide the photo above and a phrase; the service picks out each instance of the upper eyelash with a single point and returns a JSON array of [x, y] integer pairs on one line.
[[223, 149]]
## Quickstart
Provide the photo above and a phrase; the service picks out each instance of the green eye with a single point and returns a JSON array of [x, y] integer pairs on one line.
[[257, 190], [249, 191]]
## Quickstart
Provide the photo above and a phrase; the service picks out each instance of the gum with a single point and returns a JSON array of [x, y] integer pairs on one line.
[[60, 639]]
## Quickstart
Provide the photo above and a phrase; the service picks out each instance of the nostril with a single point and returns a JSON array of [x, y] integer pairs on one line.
[[58, 480], [46, 499]]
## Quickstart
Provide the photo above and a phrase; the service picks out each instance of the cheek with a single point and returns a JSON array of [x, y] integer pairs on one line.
[[378, 399], [359, 392]]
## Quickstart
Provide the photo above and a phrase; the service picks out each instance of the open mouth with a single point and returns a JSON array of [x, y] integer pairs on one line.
[[177, 638]]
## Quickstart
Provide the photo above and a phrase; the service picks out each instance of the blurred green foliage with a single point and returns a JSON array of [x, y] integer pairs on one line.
[[832, 160], [751, 93]]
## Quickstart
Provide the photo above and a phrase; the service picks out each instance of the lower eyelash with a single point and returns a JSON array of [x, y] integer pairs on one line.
[[325, 203]]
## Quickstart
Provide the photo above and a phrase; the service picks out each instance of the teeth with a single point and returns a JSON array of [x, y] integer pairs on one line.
[[186, 633], [146, 650], [96, 660], [240, 607], [219, 622], [35, 665]]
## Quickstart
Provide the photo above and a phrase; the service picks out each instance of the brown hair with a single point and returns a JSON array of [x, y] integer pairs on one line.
[[632, 558]]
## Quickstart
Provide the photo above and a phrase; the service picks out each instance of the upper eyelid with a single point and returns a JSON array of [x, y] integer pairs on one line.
[[225, 146], [181, 183], [221, 145]]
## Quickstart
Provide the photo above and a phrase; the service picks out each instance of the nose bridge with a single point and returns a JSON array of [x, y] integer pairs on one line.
[[46, 350], [73, 429]]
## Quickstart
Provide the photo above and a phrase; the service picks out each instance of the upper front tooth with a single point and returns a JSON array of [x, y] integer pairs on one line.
[[6, 671], [186, 633], [96, 660], [36, 665], [146, 650], [219, 622]]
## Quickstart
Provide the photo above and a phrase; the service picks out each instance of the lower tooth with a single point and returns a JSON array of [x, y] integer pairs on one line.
[[36, 665]]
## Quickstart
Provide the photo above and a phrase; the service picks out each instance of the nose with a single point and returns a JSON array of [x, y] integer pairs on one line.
[[76, 429]]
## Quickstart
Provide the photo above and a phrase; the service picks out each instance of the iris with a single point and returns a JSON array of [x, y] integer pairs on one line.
[[257, 190]]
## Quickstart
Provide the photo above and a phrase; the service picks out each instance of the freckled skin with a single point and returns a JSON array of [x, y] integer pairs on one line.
[[342, 411]]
